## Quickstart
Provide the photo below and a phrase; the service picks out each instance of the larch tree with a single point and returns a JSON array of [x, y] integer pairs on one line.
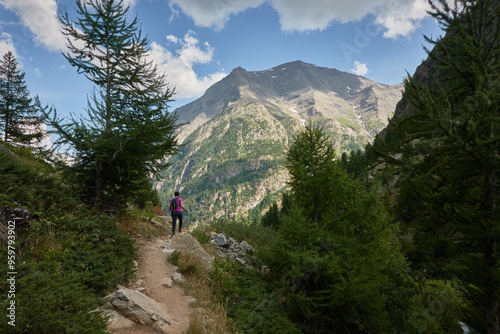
[[310, 163], [19, 117], [128, 131], [449, 159], [335, 257]]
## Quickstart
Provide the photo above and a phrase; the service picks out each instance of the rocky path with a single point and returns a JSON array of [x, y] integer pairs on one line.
[[153, 277]]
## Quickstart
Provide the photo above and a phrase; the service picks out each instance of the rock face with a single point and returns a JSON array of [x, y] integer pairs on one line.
[[230, 248], [187, 243], [232, 161], [140, 308]]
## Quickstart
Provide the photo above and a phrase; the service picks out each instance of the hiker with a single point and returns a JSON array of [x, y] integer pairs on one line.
[[176, 210]]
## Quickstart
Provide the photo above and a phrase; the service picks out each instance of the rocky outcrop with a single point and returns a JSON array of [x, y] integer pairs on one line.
[[230, 248], [14, 220], [187, 243], [139, 308]]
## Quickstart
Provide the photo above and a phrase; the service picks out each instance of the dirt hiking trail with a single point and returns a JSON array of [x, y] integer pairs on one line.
[[150, 276]]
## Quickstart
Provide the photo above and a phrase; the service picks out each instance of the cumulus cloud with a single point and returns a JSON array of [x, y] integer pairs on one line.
[[402, 18], [7, 45], [359, 68], [214, 13], [178, 65], [396, 17], [40, 17]]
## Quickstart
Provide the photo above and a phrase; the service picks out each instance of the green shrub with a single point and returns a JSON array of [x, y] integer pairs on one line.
[[174, 258], [249, 300], [48, 301], [67, 256], [201, 236], [254, 233]]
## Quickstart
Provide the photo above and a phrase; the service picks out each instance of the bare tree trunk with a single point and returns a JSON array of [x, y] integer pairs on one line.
[[97, 189]]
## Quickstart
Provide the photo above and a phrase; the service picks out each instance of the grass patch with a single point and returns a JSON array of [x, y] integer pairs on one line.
[[346, 122], [207, 315], [200, 235], [250, 301]]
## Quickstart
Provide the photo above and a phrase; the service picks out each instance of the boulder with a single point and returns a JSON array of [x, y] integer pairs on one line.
[[178, 278], [140, 308], [117, 321], [247, 247], [186, 243], [221, 240]]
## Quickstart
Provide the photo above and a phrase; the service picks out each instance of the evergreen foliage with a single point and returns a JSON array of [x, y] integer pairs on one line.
[[19, 118], [337, 258], [66, 256], [448, 159], [128, 131], [310, 163]]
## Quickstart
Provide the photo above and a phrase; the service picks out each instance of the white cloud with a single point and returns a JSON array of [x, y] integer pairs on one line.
[[179, 65], [397, 17], [214, 13], [40, 17], [7, 45], [402, 18], [359, 68]]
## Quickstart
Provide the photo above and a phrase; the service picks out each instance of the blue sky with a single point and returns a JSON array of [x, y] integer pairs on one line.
[[198, 42]]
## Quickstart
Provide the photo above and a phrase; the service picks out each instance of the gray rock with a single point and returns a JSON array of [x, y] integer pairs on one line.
[[140, 308], [155, 222], [186, 243], [167, 282], [117, 321], [247, 247], [221, 240], [178, 278]]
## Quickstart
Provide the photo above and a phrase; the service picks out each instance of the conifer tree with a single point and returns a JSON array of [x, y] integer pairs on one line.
[[128, 131], [449, 158], [20, 119], [335, 253], [310, 162]]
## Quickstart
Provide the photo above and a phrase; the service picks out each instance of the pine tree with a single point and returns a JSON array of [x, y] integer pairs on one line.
[[310, 162], [449, 158], [128, 131], [20, 119], [335, 253]]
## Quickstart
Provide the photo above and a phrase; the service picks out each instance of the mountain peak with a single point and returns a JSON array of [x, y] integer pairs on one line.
[[298, 90], [238, 70], [232, 159]]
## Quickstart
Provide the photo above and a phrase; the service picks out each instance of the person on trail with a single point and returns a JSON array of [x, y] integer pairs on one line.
[[176, 208]]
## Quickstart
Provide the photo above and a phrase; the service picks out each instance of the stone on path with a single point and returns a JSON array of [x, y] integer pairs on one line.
[[140, 308], [167, 282]]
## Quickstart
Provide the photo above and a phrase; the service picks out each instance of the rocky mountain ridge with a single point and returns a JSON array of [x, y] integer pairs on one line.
[[236, 134], [298, 90]]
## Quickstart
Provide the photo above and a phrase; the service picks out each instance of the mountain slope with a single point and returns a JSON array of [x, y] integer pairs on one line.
[[239, 129]]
